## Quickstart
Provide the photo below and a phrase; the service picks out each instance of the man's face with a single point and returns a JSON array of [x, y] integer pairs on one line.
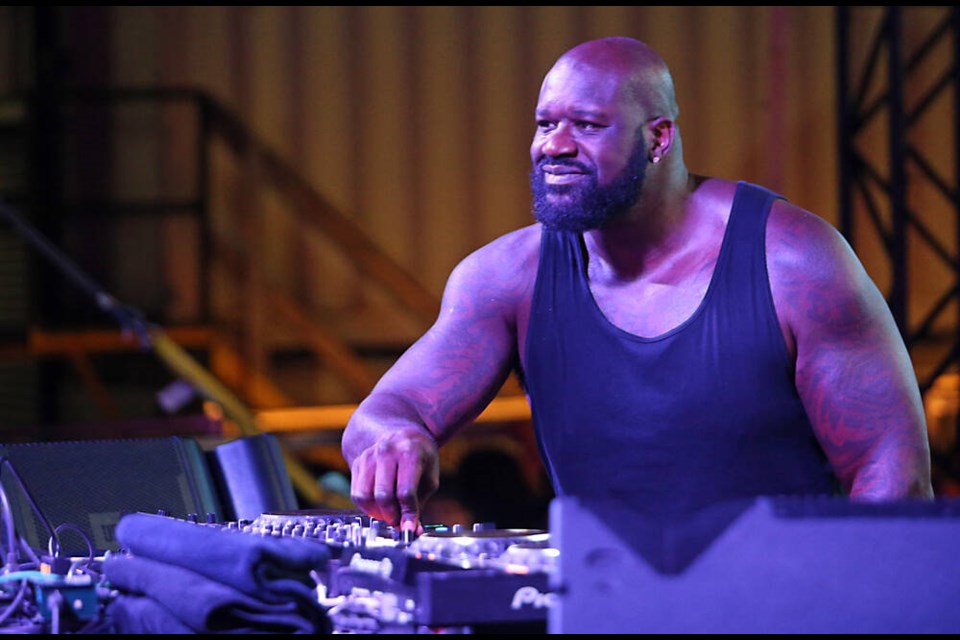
[[589, 155]]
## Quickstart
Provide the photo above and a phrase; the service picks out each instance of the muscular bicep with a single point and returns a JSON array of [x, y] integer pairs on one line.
[[853, 372], [456, 368], [857, 384], [453, 371]]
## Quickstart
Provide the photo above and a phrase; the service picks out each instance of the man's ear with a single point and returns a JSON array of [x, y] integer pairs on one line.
[[662, 130]]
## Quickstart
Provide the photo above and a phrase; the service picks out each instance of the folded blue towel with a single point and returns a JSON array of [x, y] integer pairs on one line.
[[184, 599], [210, 579], [130, 613]]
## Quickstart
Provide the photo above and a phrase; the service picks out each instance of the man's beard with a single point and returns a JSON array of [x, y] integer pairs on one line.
[[587, 206]]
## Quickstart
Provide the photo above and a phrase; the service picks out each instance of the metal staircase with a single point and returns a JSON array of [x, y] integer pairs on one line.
[[234, 343]]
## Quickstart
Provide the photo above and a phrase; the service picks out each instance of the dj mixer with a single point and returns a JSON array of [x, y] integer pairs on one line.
[[449, 578]]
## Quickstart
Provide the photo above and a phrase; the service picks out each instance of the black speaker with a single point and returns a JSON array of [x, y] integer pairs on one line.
[[764, 565], [252, 477], [79, 490]]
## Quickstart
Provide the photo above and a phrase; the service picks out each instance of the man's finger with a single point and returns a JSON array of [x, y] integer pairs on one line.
[[385, 490]]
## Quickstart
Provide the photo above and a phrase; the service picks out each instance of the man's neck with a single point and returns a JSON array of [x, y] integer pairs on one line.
[[660, 225]]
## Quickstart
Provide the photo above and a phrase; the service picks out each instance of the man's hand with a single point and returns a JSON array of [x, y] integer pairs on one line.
[[395, 476]]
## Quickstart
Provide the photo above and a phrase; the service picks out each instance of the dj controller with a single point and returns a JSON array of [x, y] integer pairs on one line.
[[447, 579], [738, 567]]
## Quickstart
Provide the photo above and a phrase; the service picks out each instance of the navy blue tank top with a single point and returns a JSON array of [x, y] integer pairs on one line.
[[706, 412]]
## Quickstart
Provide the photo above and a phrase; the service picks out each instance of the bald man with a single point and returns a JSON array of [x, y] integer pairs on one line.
[[682, 340]]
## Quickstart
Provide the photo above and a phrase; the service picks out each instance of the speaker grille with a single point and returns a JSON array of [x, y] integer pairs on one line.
[[87, 486]]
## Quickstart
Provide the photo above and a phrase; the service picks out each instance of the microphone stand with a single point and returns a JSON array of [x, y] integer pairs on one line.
[[152, 336]]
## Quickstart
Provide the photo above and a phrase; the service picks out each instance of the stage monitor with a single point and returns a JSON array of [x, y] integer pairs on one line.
[[765, 565]]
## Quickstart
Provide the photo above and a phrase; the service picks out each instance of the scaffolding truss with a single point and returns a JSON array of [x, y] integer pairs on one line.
[[899, 142]]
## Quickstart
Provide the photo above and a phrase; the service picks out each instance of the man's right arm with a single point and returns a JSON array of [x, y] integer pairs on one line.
[[439, 385]]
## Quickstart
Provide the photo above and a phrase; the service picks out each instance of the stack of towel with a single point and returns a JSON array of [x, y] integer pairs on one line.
[[175, 576]]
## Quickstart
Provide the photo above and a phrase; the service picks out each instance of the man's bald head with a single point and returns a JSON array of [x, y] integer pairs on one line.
[[643, 73]]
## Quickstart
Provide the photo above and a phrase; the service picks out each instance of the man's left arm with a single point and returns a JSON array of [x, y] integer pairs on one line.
[[853, 372]]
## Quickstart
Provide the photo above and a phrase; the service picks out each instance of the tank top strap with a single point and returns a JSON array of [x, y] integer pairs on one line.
[[744, 253], [749, 212]]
